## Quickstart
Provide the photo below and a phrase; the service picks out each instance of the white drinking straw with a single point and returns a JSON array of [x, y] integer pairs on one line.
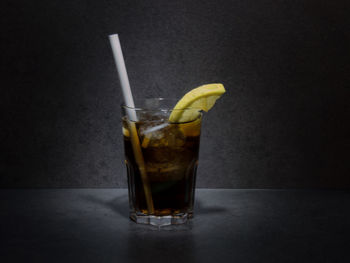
[[123, 75], [129, 102]]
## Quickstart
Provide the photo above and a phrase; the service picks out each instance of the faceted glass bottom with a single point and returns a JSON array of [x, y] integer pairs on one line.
[[160, 220]]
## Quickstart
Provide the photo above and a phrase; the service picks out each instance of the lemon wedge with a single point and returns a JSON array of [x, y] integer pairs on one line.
[[201, 98]]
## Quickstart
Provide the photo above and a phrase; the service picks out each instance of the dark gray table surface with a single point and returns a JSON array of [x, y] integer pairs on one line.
[[92, 225]]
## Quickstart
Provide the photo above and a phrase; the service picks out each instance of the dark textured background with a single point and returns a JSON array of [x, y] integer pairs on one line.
[[284, 121]]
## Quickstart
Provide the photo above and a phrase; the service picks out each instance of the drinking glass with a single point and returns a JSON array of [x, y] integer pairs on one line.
[[161, 160]]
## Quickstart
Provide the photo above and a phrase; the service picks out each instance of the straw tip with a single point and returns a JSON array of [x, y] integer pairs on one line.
[[113, 36]]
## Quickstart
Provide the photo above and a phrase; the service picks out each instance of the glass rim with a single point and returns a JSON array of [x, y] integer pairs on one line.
[[160, 108]]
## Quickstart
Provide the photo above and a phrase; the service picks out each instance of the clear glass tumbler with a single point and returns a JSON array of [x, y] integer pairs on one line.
[[161, 160]]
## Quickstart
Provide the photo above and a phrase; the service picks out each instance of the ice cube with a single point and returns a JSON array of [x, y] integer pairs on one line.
[[153, 129], [152, 133], [171, 137]]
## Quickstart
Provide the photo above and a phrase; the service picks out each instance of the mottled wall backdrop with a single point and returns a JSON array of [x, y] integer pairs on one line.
[[284, 121]]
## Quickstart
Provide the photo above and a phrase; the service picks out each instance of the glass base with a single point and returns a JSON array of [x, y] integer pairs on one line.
[[160, 220]]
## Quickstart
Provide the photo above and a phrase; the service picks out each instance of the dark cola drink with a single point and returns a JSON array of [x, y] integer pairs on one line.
[[170, 159]]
